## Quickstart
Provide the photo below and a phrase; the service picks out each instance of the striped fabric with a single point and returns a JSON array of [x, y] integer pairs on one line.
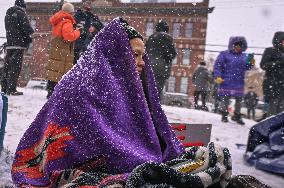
[[215, 170], [3, 117]]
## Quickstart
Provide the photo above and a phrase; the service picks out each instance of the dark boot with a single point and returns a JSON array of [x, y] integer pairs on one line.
[[238, 118], [15, 93], [224, 117]]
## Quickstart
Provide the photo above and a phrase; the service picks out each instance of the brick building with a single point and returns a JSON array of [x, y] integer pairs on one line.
[[187, 21]]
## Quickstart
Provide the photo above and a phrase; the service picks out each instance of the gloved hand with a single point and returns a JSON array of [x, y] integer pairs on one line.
[[219, 80]]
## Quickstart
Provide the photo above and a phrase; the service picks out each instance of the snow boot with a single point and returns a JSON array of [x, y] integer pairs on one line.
[[238, 119], [15, 93]]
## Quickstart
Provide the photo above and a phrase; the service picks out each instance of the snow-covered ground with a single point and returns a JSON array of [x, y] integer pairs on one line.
[[23, 109]]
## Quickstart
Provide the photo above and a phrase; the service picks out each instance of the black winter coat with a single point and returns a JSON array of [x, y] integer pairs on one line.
[[18, 28], [201, 79], [161, 51], [273, 63]]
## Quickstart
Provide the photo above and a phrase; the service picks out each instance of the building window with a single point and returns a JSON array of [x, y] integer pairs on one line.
[[171, 84], [149, 28], [188, 30], [183, 84], [186, 57], [176, 30]]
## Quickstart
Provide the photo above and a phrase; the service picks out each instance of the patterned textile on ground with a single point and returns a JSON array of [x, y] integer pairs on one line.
[[198, 167]]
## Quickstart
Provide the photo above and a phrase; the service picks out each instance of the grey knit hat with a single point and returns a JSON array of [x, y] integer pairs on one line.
[[68, 7]]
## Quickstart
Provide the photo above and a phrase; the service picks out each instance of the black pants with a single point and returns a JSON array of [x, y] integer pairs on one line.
[[12, 69], [225, 101], [50, 87], [251, 110], [76, 56], [203, 97]]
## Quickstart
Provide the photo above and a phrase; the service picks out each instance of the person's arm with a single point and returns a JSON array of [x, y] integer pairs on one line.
[[69, 33], [171, 50], [219, 67], [269, 63], [24, 23]]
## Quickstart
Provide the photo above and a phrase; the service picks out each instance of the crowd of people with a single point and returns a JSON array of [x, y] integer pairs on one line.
[[103, 124]]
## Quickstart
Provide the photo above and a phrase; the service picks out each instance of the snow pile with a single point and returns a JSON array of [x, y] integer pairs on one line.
[[6, 159]]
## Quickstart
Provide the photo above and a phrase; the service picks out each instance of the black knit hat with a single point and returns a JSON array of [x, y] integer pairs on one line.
[[162, 26], [20, 3], [97, 24], [131, 32]]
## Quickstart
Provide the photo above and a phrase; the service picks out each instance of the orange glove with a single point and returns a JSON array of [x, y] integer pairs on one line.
[[219, 80]]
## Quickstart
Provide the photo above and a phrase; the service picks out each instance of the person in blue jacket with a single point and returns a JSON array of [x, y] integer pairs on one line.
[[229, 71]]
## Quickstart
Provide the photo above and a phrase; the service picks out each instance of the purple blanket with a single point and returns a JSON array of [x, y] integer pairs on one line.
[[101, 114]]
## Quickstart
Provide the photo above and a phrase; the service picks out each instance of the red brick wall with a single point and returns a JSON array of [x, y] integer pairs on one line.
[[39, 58]]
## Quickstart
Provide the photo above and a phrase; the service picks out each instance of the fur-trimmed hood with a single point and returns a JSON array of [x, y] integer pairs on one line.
[[236, 39]]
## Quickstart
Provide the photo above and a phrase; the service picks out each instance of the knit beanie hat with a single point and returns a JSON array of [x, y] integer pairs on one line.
[[97, 24], [131, 32], [162, 26], [20, 3], [68, 7]]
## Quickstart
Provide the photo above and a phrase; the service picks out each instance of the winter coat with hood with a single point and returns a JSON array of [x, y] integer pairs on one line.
[[273, 63], [201, 79], [62, 45], [18, 28], [231, 67]]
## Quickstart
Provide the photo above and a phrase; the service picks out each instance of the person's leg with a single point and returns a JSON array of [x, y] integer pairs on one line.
[[248, 109], [237, 113], [5, 71], [76, 55], [50, 87], [203, 98], [223, 107], [280, 105], [16, 60], [253, 113], [273, 105], [196, 96]]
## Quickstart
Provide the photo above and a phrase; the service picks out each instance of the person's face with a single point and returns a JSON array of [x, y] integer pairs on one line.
[[238, 48], [138, 49], [92, 29], [282, 43]]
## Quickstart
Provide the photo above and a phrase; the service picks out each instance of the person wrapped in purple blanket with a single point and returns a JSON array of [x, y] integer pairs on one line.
[[103, 121]]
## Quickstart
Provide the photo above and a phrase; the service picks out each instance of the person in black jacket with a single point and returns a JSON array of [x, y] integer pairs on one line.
[[201, 80], [273, 63], [251, 100], [94, 28], [18, 33], [83, 18], [161, 51]]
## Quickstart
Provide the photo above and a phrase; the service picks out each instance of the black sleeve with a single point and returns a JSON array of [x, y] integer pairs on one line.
[[269, 62], [170, 49], [24, 24]]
